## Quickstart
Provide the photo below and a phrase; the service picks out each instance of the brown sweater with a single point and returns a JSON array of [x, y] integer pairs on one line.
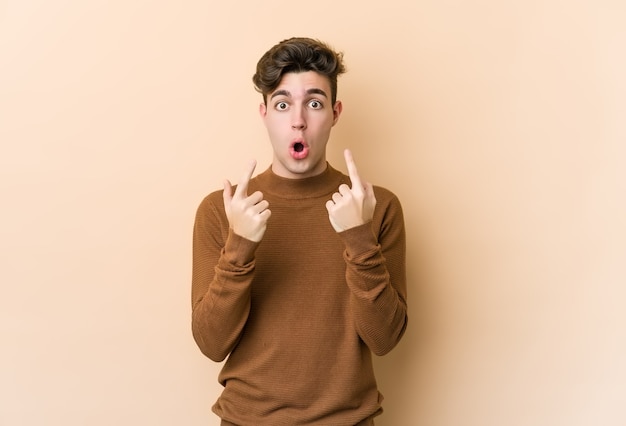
[[300, 312]]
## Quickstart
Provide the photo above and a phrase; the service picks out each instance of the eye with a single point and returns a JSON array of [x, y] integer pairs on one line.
[[315, 104], [281, 106]]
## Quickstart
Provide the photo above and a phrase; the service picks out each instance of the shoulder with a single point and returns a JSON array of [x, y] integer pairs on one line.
[[215, 197], [211, 205], [386, 197], [384, 193], [215, 200], [388, 211]]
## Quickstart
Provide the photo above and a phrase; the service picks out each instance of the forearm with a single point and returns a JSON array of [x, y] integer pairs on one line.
[[219, 317], [379, 311], [220, 289], [376, 277]]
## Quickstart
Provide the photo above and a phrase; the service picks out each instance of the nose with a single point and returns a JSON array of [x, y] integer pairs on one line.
[[297, 120]]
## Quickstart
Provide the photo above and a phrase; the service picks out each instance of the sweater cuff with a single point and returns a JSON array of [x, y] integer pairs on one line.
[[238, 251], [359, 240]]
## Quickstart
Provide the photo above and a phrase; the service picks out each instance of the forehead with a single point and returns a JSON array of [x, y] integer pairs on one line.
[[299, 83]]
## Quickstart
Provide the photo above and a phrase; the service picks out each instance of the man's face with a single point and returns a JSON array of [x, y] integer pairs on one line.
[[299, 116]]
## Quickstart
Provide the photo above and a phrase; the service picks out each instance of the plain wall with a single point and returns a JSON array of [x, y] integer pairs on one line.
[[500, 125]]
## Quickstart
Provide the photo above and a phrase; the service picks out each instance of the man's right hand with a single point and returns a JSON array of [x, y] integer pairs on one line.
[[247, 215]]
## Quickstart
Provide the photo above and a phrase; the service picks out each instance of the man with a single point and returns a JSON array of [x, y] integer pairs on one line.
[[299, 272]]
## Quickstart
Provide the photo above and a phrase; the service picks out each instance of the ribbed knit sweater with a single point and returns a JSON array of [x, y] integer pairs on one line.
[[299, 314]]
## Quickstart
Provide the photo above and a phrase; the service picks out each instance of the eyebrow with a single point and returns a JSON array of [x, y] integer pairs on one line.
[[313, 91]]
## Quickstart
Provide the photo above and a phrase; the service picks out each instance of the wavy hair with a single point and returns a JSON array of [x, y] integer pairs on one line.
[[297, 54]]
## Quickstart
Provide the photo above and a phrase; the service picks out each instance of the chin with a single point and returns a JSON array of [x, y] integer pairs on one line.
[[310, 168], [298, 169]]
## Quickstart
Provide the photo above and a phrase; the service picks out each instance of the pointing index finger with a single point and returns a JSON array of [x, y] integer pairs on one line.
[[352, 172], [242, 187]]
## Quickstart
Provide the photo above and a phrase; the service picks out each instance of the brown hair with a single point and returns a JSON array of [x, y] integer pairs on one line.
[[297, 54]]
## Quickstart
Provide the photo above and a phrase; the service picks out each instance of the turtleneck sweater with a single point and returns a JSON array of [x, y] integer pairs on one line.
[[299, 314]]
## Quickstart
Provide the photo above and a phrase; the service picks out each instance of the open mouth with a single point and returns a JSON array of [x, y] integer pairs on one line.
[[299, 150]]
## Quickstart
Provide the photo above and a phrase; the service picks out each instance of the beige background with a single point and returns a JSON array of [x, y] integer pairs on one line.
[[500, 124]]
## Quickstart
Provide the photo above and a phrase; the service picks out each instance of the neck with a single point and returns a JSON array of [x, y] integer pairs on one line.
[[321, 184]]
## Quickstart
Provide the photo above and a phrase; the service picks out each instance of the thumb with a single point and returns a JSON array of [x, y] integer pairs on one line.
[[228, 193], [370, 202], [369, 190]]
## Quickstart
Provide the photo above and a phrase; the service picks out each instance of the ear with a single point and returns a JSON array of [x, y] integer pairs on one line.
[[262, 110], [337, 108]]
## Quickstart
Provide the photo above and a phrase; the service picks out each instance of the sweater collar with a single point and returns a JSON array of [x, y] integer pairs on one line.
[[325, 183]]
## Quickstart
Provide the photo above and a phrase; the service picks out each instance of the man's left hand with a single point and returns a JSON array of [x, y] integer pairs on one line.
[[351, 207]]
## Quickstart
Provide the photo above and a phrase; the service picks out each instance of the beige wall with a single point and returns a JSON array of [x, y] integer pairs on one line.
[[501, 125]]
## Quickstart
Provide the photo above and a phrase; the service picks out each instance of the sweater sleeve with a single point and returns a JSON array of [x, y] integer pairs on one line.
[[375, 258], [222, 273]]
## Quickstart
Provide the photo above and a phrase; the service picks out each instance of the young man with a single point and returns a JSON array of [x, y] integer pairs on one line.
[[299, 272]]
